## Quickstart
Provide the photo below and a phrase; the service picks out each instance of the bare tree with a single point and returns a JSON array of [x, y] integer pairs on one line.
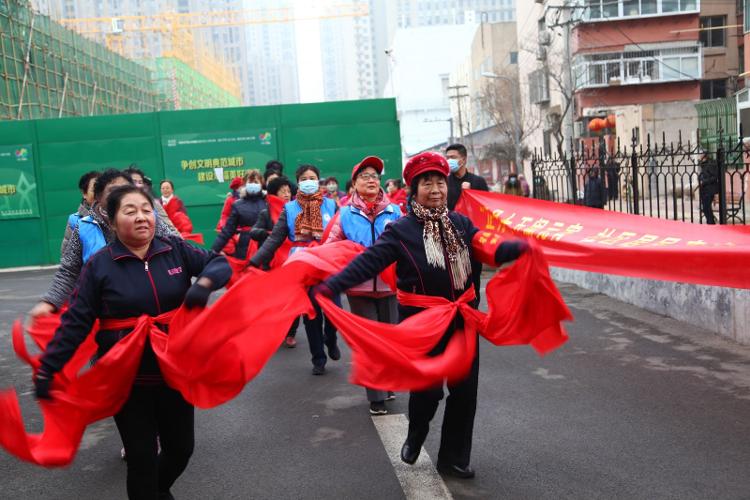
[[497, 100]]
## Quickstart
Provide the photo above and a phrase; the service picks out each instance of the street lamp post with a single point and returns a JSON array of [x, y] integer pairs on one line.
[[516, 118]]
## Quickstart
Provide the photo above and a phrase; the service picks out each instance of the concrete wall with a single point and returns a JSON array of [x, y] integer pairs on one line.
[[724, 311]]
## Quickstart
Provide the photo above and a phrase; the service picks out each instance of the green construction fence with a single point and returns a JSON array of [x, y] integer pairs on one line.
[[41, 160]]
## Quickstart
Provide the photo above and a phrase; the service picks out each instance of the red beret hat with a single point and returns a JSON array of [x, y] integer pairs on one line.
[[236, 183], [425, 162], [370, 161]]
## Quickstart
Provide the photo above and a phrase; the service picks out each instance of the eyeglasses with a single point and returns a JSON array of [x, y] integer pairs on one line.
[[369, 177]]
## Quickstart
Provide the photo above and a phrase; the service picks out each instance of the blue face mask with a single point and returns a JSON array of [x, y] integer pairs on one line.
[[252, 188], [310, 186], [453, 165]]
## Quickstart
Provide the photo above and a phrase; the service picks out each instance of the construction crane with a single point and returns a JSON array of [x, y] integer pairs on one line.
[[131, 36]]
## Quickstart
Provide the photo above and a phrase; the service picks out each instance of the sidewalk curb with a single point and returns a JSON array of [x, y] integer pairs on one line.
[[28, 268]]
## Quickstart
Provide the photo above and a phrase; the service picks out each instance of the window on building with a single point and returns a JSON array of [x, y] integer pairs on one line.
[[514, 57], [713, 89], [712, 32], [741, 51], [538, 87]]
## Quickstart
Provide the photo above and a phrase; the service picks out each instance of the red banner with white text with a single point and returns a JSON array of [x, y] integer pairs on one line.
[[602, 241]]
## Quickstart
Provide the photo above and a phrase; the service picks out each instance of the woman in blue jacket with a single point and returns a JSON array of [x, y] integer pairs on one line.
[[363, 220], [138, 274], [303, 221]]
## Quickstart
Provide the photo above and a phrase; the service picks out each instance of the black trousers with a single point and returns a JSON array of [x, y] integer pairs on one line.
[[458, 420], [320, 331], [707, 200], [151, 411]]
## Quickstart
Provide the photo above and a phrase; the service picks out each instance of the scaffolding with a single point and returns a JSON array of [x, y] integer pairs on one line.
[[49, 71], [179, 86]]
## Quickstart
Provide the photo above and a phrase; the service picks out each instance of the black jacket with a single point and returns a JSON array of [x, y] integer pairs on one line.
[[402, 243], [244, 213], [116, 284], [454, 186], [263, 226], [594, 193]]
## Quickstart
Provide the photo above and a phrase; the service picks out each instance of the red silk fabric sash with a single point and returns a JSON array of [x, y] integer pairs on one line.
[[211, 354], [610, 242]]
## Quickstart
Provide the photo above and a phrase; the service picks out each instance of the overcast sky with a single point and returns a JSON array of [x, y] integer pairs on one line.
[[309, 65]]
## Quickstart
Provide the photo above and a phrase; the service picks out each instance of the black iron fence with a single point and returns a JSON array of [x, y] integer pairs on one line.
[[679, 181]]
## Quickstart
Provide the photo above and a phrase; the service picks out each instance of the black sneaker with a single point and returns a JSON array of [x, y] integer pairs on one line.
[[378, 408], [391, 396], [334, 353], [318, 370]]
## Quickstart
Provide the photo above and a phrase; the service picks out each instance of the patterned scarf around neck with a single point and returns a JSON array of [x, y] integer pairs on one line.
[[309, 223], [434, 220]]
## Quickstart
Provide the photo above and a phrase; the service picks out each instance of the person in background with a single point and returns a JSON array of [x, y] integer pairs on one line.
[[594, 192], [708, 183], [275, 166], [525, 188], [243, 215], [612, 170], [362, 221], [349, 186], [332, 190], [86, 187], [141, 181], [114, 286], [169, 200], [397, 194], [513, 185], [460, 177], [278, 193], [232, 196], [445, 270], [175, 208], [303, 221]]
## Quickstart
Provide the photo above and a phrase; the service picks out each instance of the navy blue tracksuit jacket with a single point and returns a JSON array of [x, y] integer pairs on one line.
[[116, 284]]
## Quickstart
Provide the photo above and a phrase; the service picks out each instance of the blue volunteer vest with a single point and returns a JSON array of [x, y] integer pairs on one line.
[[73, 220], [358, 228], [293, 209], [91, 236]]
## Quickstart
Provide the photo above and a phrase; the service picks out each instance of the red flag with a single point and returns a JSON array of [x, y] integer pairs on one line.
[[610, 242]]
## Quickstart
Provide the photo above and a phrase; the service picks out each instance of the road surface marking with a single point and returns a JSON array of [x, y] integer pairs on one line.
[[419, 481]]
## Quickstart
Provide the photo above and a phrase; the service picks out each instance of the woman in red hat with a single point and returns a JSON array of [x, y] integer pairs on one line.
[[363, 220], [432, 249]]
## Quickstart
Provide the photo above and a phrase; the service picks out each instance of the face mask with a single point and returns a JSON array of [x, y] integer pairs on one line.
[[453, 165], [252, 188], [310, 186], [332, 188]]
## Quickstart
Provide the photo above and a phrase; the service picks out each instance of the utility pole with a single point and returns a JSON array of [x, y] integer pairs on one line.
[[568, 21], [567, 76], [458, 98]]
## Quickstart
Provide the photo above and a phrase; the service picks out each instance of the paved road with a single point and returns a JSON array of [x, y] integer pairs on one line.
[[634, 406]]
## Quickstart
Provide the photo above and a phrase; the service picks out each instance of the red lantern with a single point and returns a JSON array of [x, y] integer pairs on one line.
[[595, 125], [611, 120]]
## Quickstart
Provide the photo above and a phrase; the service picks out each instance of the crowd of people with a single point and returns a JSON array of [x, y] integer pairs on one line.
[[124, 256]]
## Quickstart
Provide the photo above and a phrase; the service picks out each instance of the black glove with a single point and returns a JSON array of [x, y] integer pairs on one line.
[[324, 290], [42, 383], [197, 296], [510, 250]]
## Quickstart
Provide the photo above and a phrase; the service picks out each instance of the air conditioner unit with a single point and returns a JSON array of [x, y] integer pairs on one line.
[[545, 38], [541, 54]]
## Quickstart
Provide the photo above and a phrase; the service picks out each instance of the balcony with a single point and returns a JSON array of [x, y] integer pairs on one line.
[[641, 67], [612, 10]]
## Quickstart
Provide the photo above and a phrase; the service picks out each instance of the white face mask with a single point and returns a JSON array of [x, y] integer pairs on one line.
[[252, 188]]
